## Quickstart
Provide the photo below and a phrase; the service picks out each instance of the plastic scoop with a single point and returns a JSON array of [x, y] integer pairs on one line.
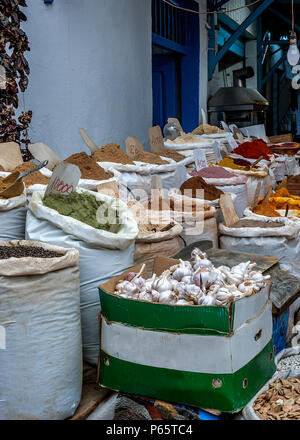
[[15, 179]]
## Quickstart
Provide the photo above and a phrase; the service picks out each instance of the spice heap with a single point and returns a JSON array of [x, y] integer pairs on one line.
[[285, 364], [196, 183], [177, 205], [82, 207], [280, 402], [173, 155], [147, 157], [208, 129], [242, 162], [230, 163], [278, 201], [213, 172], [266, 209], [88, 167], [26, 251], [186, 139], [5, 185], [36, 178], [196, 282], [146, 228], [245, 223], [112, 153], [253, 150]]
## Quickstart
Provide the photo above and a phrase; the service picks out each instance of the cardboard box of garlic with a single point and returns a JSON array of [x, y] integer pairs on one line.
[[192, 333]]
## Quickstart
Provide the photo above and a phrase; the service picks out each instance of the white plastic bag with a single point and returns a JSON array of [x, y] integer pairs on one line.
[[41, 365], [102, 256], [241, 202], [12, 218], [197, 232]]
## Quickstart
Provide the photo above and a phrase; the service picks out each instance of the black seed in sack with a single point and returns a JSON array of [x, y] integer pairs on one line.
[[26, 251]]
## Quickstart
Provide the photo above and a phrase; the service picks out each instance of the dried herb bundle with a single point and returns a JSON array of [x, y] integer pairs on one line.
[[13, 45]]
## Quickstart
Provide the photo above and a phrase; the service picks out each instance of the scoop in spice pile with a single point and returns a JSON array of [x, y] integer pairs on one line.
[[88, 167], [82, 207], [36, 178], [194, 282], [280, 402], [196, 183], [15, 192]]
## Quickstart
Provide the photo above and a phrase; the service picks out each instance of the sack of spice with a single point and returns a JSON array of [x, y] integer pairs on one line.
[[102, 253], [41, 366], [12, 215], [289, 360], [278, 399]]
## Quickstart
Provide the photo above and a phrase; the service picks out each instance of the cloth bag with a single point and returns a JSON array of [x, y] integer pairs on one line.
[[13, 217], [102, 256], [41, 362]]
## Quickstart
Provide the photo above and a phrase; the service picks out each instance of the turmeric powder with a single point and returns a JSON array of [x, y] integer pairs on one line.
[[266, 209], [229, 163]]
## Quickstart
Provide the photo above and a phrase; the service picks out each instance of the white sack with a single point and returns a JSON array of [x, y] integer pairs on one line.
[[41, 367]]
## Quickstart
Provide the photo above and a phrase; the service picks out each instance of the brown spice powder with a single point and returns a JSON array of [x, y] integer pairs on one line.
[[88, 167], [194, 183], [152, 158], [173, 155], [112, 153], [36, 178]]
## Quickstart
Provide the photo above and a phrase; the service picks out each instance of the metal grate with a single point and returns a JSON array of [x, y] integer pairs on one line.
[[167, 22]]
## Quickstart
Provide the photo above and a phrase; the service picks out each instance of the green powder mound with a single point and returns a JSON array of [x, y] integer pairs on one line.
[[83, 207]]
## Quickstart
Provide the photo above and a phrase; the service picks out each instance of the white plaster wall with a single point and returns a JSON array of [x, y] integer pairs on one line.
[[90, 67], [203, 58]]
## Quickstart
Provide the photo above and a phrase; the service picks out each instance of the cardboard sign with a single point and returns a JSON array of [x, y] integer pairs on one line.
[[42, 152], [268, 195], [176, 122], [64, 179], [204, 116], [133, 147], [10, 156], [156, 140], [225, 127], [228, 210], [231, 141], [217, 151], [110, 189], [92, 146], [256, 194], [200, 159]]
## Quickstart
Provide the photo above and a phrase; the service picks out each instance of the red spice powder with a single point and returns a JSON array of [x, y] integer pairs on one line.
[[253, 150]]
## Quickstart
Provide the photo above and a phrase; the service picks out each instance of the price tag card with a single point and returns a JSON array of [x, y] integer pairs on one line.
[[225, 127], [217, 151], [64, 179], [133, 147], [200, 159], [256, 194], [109, 189], [231, 141], [156, 140]]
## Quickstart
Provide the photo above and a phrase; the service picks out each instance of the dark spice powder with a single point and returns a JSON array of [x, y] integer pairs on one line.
[[195, 183], [26, 251]]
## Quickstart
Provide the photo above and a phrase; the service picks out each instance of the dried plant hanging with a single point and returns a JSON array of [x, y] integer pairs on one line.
[[13, 45]]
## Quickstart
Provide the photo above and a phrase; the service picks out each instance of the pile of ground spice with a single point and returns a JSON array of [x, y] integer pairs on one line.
[[213, 172], [173, 155], [82, 207], [266, 209], [112, 153], [88, 167], [227, 162], [36, 178], [152, 158], [196, 183], [26, 251], [253, 150], [245, 223], [242, 162], [3, 186]]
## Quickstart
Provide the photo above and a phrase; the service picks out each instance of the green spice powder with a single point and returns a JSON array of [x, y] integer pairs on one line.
[[82, 207]]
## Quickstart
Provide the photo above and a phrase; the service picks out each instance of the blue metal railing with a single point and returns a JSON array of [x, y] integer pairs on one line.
[[168, 22]]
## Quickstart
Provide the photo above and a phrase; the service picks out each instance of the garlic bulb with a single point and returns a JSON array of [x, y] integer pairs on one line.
[[163, 282], [167, 297], [183, 302], [208, 300], [181, 272]]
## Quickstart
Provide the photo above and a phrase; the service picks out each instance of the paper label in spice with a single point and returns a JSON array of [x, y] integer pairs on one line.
[[176, 122], [228, 210], [109, 189], [10, 156], [256, 194], [217, 151], [42, 152], [133, 147], [225, 127], [231, 141], [204, 116], [64, 179], [92, 146], [200, 159], [156, 140]]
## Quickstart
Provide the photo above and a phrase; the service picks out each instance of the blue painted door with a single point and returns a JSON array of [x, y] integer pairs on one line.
[[165, 89]]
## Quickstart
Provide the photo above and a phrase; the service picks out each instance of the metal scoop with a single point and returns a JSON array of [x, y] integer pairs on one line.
[[17, 185]]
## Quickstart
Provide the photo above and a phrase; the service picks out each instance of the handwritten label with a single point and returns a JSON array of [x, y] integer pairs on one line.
[[231, 141], [200, 159], [133, 147], [64, 179], [217, 151], [156, 140]]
